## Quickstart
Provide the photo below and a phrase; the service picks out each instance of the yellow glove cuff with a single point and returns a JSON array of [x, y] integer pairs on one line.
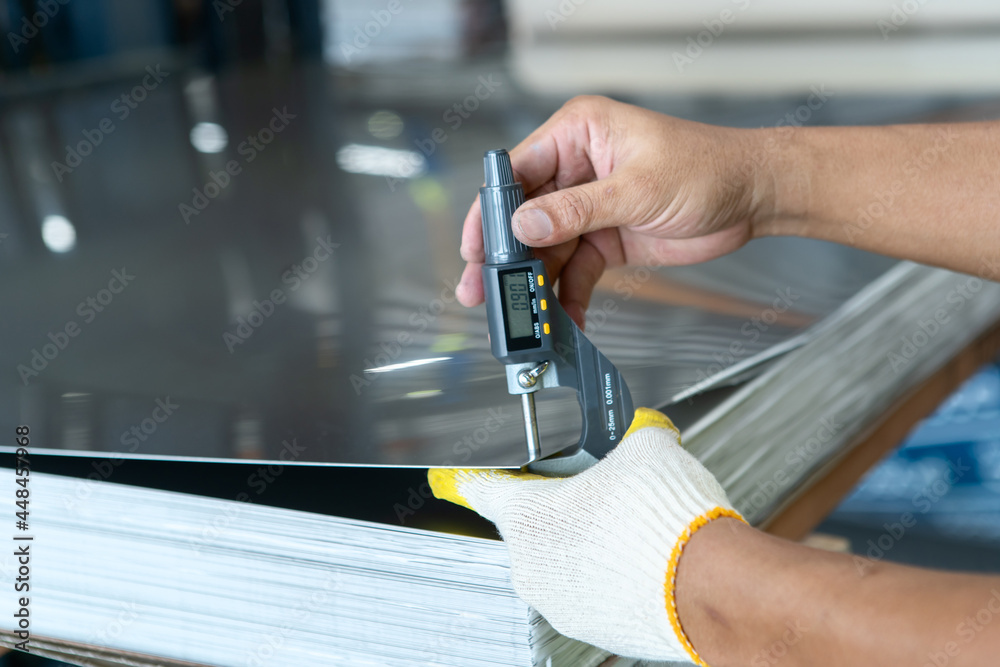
[[671, 579]]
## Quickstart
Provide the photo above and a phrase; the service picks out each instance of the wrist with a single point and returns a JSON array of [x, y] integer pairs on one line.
[[739, 591], [781, 167], [710, 558], [715, 523]]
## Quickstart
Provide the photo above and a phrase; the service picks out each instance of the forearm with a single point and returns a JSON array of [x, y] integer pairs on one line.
[[744, 598], [930, 193]]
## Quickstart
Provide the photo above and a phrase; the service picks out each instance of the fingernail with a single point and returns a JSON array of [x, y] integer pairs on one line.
[[534, 223]]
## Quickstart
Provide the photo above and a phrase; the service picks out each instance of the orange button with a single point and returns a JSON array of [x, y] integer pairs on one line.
[[545, 327], [541, 279], [545, 304]]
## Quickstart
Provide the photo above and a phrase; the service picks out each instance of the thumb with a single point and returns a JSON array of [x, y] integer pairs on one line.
[[486, 491], [566, 214]]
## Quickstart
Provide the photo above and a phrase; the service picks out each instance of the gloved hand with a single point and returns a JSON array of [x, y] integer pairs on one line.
[[596, 554]]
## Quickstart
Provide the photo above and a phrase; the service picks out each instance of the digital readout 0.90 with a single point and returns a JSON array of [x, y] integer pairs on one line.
[[520, 316]]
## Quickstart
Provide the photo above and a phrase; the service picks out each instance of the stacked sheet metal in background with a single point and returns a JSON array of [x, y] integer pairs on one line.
[[803, 413]]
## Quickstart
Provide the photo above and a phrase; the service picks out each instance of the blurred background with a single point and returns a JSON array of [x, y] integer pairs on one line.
[[137, 123]]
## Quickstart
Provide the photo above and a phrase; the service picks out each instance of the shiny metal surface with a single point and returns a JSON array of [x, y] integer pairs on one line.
[[530, 426], [301, 310]]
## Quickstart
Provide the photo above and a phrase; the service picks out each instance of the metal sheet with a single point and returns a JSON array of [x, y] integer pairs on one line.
[[306, 314]]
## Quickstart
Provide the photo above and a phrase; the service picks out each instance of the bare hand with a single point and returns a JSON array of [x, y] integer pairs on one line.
[[610, 184]]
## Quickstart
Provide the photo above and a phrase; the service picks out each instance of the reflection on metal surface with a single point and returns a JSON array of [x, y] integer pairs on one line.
[[530, 426], [406, 364], [209, 138], [259, 316], [58, 233], [379, 161], [385, 124]]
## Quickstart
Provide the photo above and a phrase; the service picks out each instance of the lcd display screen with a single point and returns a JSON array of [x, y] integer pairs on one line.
[[518, 305]]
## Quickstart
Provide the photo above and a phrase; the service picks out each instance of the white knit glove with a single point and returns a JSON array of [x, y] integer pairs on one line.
[[596, 554]]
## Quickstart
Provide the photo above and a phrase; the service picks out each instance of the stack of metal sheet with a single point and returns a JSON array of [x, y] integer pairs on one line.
[[161, 578]]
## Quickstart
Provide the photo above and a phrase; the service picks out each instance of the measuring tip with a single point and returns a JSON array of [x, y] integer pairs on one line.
[[496, 164]]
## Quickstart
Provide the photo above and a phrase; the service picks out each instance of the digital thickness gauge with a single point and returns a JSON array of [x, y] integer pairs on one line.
[[531, 334]]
